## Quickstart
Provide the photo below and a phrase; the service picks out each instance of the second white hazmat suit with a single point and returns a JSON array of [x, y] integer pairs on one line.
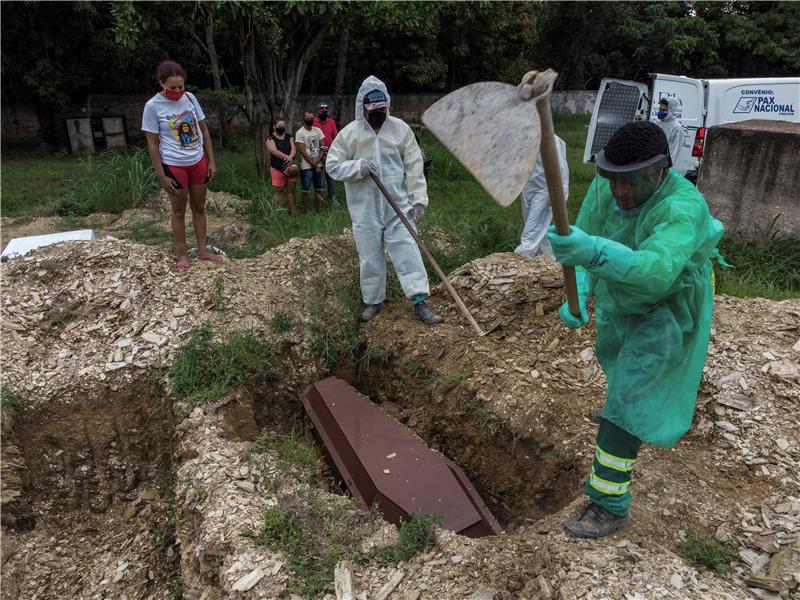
[[537, 213], [399, 162], [673, 129]]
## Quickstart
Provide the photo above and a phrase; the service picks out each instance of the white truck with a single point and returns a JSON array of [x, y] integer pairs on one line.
[[704, 103]]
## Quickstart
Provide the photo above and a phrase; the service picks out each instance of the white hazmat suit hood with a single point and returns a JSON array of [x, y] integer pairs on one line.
[[673, 129], [394, 150]]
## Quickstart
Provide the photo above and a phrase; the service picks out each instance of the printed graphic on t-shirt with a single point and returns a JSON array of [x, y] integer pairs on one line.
[[184, 127], [312, 146]]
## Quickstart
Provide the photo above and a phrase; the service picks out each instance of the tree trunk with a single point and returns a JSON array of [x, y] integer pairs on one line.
[[341, 63], [213, 58], [253, 95]]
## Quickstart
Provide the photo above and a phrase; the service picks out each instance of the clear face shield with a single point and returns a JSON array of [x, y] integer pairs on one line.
[[634, 184]]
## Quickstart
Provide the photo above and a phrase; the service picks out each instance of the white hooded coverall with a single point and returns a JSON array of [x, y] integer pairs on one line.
[[537, 213], [396, 153], [673, 129]]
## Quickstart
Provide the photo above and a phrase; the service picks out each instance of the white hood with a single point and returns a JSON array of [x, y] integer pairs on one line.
[[369, 84]]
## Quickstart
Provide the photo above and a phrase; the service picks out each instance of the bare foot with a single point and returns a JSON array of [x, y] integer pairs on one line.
[[212, 257], [183, 263]]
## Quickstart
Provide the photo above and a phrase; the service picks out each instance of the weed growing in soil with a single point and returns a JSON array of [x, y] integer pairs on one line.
[[421, 372], [10, 403], [217, 298], [488, 420], [297, 456], [416, 536], [204, 369], [334, 326], [709, 552], [148, 231], [373, 355], [281, 323]]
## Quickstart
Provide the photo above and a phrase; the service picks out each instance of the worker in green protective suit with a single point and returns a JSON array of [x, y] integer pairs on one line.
[[642, 246]]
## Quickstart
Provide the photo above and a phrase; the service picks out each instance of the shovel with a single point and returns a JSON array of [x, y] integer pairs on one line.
[[477, 122], [403, 219]]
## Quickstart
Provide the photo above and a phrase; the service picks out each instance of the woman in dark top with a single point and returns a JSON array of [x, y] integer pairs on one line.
[[282, 168]]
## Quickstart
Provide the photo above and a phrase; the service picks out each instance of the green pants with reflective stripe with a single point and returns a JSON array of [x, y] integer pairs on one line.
[[614, 457]]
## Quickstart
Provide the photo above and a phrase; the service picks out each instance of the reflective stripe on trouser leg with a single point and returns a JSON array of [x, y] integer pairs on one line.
[[614, 458], [406, 258]]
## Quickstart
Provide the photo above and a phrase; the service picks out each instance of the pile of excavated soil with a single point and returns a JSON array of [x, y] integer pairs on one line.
[[226, 225], [91, 319]]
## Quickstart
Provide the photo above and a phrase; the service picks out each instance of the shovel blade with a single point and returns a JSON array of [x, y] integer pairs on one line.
[[493, 132]]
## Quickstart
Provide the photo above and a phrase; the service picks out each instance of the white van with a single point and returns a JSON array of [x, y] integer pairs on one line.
[[703, 104]]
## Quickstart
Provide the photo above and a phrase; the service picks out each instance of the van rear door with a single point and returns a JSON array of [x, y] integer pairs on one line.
[[691, 111], [618, 102]]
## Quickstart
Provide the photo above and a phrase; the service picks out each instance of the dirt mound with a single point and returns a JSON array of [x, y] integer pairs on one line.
[[85, 324], [149, 224]]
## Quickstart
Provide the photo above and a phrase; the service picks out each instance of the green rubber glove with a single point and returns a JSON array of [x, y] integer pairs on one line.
[[600, 256], [571, 321]]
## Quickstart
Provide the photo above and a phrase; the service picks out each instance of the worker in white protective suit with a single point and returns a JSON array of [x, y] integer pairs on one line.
[[537, 213], [378, 143], [671, 125]]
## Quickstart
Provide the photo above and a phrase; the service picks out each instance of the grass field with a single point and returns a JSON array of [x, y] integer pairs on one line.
[[39, 184]]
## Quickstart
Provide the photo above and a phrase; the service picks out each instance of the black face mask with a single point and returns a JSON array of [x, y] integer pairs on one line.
[[376, 118], [280, 130], [309, 122], [323, 117]]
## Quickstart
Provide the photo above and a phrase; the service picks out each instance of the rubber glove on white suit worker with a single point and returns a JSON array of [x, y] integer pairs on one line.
[[671, 126], [378, 143], [537, 213]]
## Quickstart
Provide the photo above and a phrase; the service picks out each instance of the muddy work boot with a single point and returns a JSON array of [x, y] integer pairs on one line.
[[422, 312], [370, 311], [596, 415], [595, 522]]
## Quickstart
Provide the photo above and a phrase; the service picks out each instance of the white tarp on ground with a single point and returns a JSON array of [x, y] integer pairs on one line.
[[21, 246]]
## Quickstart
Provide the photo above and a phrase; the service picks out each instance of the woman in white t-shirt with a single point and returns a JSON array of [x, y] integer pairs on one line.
[[182, 155]]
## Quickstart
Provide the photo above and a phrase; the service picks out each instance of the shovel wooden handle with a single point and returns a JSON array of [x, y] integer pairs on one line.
[[552, 173], [460, 303]]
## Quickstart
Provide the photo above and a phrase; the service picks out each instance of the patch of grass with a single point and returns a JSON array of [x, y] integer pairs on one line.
[[10, 403], [766, 266], [456, 378], [282, 322], [421, 371], [334, 325], [148, 231], [487, 419], [373, 355], [297, 456], [709, 552], [313, 543], [204, 369], [416, 536]]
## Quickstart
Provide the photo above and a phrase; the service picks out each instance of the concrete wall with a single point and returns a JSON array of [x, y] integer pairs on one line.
[[20, 124], [749, 175]]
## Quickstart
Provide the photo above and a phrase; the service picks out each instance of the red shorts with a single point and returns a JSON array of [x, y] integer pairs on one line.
[[196, 174], [279, 179]]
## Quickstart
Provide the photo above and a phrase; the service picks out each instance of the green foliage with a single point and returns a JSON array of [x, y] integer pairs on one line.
[[297, 456], [217, 297], [416, 535], [486, 419], [767, 266], [709, 552], [421, 371], [148, 231], [10, 403], [110, 182], [334, 326], [204, 369], [282, 322]]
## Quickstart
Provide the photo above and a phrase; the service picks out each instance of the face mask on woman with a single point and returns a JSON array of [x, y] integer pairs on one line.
[[174, 95], [280, 130], [662, 114]]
